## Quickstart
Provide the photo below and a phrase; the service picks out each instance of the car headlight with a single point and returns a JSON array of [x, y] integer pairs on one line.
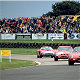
[[56, 54], [53, 53], [70, 56], [42, 52]]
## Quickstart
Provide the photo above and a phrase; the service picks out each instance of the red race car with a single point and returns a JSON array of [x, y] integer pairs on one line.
[[45, 51], [74, 56], [63, 52]]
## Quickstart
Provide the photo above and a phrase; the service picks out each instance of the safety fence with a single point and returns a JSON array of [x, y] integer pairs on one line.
[[75, 36], [58, 36], [34, 45]]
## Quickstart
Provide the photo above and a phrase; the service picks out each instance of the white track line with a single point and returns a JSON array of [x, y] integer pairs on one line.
[[38, 63]]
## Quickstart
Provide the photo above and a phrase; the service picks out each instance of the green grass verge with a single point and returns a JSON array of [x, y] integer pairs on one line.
[[22, 51], [41, 41], [5, 64]]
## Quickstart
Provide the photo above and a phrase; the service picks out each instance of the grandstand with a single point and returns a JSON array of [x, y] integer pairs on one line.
[[60, 24]]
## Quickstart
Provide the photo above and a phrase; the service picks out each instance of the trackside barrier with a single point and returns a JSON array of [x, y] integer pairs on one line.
[[23, 36], [8, 36], [49, 36], [35, 45], [6, 53], [0, 36]]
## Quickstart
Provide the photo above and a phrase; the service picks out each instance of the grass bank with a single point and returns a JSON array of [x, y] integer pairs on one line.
[[41, 41], [22, 51], [5, 64]]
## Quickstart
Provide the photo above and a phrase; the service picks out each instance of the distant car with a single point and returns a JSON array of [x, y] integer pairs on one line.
[[63, 52], [45, 51], [74, 56]]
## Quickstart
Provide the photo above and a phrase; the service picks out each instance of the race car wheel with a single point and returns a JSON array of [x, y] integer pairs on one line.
[[55, 59], [71, 63], [51, 56], [38, 56]]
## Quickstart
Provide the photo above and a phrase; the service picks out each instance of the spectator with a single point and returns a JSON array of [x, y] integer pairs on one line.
[[60, 24]]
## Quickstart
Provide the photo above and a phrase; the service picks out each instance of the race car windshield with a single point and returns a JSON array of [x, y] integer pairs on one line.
[[65, 48], [76, 50], [46, 48]]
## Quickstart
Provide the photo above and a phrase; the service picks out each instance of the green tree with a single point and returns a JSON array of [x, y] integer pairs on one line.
[[48, 14], [65, 8]]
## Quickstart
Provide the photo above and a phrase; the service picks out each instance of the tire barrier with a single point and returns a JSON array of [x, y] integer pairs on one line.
[[34, 45]]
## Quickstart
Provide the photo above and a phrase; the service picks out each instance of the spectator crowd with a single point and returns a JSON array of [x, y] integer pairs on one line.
[[60, 24]]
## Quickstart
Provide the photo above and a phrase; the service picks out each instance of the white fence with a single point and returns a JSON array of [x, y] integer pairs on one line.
[[74, 36], [56, 36], [0, 36], [39, 36], [23, 36], [8, 36]]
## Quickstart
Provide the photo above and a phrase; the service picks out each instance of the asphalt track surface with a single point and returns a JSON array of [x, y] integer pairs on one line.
[[43, 61], [47, 70]]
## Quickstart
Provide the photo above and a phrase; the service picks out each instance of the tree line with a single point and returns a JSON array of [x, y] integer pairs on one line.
[[64, 8]]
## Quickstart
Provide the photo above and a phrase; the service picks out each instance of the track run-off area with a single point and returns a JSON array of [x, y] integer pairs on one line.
[[47, 69], [43, 60]]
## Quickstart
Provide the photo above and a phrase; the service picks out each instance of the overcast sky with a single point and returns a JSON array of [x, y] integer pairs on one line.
[[31, 8]]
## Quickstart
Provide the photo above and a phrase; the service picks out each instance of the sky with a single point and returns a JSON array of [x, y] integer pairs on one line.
[[18, 8]]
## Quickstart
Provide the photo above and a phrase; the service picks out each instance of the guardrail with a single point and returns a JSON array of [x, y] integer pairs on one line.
[[34, 45], [37, 36], [58, 36]]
